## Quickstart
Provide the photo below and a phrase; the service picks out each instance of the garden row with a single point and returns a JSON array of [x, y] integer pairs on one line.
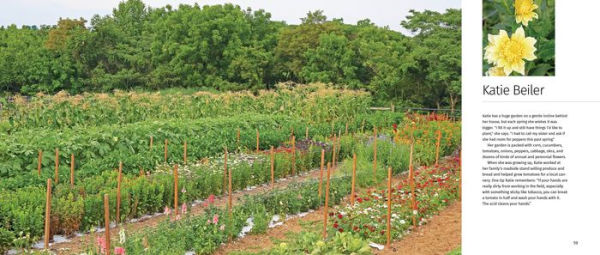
[[352, 227], [315, 103], [79, 207], [203, 234], [97, 149]]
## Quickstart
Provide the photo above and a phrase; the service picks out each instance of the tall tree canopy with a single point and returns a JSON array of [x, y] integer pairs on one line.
[[225, 47]]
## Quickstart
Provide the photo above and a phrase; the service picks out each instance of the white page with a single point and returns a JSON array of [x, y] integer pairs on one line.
[[566, 226]]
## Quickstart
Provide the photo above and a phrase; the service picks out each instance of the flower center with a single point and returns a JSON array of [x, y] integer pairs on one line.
[[512, 51]]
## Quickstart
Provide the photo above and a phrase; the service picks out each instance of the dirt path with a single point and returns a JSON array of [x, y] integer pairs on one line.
[[439, 236], [79, 244]]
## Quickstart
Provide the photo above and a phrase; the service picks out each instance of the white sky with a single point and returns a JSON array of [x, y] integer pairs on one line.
[[383, 13]]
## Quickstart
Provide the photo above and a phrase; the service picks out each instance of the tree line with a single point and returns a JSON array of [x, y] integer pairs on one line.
[[225, 47]]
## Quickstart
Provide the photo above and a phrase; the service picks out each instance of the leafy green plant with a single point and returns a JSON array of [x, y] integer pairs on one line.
[[6, 239]]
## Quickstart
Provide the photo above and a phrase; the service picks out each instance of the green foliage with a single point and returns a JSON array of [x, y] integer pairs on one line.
[[225, 47], [314, 102], [6, 239]]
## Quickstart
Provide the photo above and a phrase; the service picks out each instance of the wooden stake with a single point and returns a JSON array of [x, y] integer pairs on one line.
[[293, 155], [325, 209], [151, 142], [353, 178], [411, 176], [333, 150], [237, 138], [119, 177], [176, 187], [47, 218], [389, 208], [142, 174], [375, 154], [72, 169], [272, 167], [185, 152], [166, 148], [321, 173], [346, 132], [225, 172], [106, 224], [56, 166], [306, 133], [362, 127], [230, 199], [257, 140], [39, 162], [437, 147]]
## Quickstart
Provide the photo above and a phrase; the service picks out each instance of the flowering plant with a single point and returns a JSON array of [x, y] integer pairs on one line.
[[518, 37], [435, 188]]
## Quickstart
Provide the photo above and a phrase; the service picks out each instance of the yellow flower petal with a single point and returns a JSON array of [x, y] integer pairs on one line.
[[509, 53], [525, 11]]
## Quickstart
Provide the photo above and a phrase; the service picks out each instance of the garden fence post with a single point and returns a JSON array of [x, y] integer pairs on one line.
[[346, 132], [72, 169], [362, 126], [333, 150], [185, 152], [119, 177], [56, 166], [411, 176], [306, 135], [437, 147], [106, 225], [47, 218], [176, 189], [272, 167], [321, 172], [325, 209], [39, 163], [375, 154], [225, 172], [389, 208], [230, 198], [353, 178], [293, 155], [166, 148]]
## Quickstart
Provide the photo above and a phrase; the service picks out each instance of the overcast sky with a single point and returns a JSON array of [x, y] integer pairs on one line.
[[383, 13]]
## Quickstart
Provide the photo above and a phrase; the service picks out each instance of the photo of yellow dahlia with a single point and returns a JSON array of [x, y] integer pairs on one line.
[[518, 38], [510, 53], [525, 11]]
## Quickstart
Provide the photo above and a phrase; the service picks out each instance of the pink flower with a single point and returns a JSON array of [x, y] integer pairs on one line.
[[167, 210], [215, 219], [184, 208], [211, 199], [119, 251], [101, 242]]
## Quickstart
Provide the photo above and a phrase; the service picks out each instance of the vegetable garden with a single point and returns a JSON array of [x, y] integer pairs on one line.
[[177, 159]]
